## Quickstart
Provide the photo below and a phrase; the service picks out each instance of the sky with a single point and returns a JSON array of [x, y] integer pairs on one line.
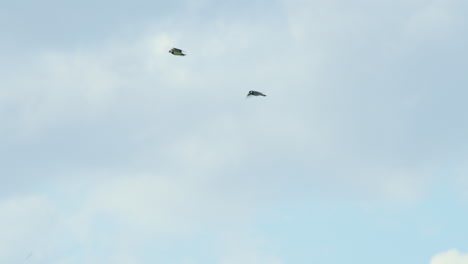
[[114, 151]]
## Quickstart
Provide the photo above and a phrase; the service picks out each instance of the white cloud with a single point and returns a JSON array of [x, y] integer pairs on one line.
[[25, 222], [191, 110], [452, 256], [59, 88], [164, 146], [112, 217], [150, 202], [435, 18]]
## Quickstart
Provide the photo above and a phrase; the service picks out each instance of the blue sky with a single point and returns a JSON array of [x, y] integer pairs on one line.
[[115, 151]]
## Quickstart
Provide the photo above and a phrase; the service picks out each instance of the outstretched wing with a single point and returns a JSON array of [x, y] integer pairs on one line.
[[177, 51], [255, 93]]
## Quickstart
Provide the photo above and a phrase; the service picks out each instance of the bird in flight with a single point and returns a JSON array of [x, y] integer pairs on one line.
[[255, 93], [177, 52]]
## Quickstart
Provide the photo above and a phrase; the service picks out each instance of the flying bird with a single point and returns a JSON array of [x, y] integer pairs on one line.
[[255, 93], [177, 52]]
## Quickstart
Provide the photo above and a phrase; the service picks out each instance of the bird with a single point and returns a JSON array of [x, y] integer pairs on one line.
[[177, 52], [255, 93]]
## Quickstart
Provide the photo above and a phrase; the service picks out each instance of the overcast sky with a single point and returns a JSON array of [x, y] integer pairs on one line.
[[112, 150]]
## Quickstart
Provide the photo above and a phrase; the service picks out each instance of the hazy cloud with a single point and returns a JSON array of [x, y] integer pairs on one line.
[[452, 256], [113, 149]]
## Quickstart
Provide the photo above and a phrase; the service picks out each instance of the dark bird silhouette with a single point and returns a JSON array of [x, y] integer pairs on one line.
[[255, 93], [177, 52]]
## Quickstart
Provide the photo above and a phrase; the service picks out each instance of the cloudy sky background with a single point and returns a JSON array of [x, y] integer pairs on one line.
[[115, 151]]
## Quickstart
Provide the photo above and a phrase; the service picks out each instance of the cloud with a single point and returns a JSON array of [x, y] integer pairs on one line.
[[25, 221], [452, 256], [127, 217], [133, 146], [339, 111]]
